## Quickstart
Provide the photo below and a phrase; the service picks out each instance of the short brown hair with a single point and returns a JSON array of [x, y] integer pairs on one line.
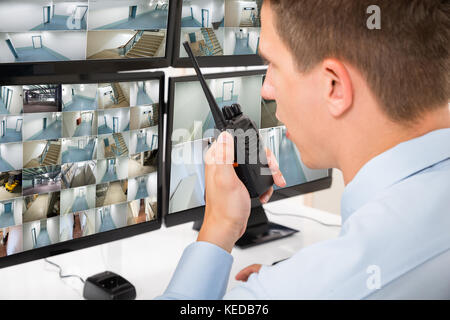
[[405, 63]]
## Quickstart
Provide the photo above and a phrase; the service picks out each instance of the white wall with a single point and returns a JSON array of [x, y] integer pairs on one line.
[[132, 188], [66, 8], [71, 44], [101, 146], [67, 93], [233, 9], [32, 150], [119, 214], [122, 168], [133, 142], [17, 99], [69, 123], [152, 186], [33, 123], [6, 55], [67, 198], [215, 7], [100, 170], [15, 240], [12, 152], [98, 41], [66, 227], [11, 121], [53, 229], [21, 15], [250, 97], [190, 105], [152, 89], [90, 195], [102, 13], [253, 35], [230, 41], [85, 90]]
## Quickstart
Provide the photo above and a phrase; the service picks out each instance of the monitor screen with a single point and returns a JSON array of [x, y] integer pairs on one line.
[[190, 125], [220, 32], [33, 31], [78, 160]]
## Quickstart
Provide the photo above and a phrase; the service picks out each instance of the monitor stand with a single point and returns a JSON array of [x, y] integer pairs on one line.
[[259, 229]]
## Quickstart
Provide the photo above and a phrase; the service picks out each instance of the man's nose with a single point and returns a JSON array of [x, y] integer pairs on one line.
[[267, 90]]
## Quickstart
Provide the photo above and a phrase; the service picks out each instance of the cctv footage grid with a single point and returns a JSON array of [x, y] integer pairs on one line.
[[220, 27], [76, 160], [62, 30], [192, 134]]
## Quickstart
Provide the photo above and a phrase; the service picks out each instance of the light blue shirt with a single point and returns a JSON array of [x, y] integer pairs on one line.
[[395, 217]]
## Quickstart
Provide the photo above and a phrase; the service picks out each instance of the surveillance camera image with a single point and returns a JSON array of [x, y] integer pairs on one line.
[[191, 136], [220, 27], [63, 30], [71, 162]]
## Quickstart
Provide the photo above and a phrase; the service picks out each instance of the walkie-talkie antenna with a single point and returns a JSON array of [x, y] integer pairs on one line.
[[219, 119]]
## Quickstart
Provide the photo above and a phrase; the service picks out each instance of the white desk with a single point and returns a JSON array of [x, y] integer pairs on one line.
[[148, 260]]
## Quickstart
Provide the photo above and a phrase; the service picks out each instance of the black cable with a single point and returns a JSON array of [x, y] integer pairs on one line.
[[304, 217], [60, 272]]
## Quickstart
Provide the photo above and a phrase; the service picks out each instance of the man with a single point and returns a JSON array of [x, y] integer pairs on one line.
[[371, 102]]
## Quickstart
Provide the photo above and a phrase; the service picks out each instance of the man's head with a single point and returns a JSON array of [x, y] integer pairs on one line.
[[333, 77]]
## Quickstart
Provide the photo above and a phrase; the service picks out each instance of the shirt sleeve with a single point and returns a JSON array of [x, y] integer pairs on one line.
[[202, 273]]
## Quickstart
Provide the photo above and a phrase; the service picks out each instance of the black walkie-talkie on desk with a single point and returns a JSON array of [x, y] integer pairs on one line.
[[255, 176]]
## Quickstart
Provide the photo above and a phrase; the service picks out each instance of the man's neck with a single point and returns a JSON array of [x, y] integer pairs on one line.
[[387, 136]]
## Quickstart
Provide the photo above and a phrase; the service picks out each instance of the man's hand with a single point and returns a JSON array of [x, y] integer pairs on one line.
[[227, 199], [247, 271]]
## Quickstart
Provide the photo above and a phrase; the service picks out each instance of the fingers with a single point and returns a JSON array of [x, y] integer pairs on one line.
[[274, 169], [246, 272], [266, 196], [224, 152]]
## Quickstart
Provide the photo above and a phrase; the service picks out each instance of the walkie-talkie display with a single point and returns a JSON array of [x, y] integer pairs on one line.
[[255, 176]]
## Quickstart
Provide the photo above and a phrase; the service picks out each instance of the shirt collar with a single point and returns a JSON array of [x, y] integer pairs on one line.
[[393, 165]]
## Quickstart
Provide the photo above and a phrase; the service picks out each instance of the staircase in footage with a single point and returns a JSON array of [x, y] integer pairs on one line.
[[213, 45], [146, 46]]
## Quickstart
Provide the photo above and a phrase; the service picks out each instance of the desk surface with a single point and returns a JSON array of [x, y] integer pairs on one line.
[[148, 260]]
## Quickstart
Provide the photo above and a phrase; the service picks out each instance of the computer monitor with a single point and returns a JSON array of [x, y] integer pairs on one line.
[[79, 161], [66, 36], [220, 32], [189, 124]]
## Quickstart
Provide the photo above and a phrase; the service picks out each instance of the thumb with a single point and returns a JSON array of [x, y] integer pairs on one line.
[[225, 149]]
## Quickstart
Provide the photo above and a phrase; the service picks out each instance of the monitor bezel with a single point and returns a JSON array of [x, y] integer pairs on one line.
[[49, 68], [212, 61], [119, 233], [197, 213]]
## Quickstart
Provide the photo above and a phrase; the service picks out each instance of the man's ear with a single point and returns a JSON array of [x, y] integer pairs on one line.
[[338, 87]]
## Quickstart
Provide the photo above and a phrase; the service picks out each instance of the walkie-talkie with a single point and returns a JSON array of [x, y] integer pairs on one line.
[[255, 176]]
